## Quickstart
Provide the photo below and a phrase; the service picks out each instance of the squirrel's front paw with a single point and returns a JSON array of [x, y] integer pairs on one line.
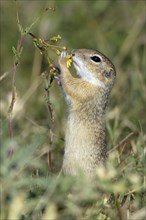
[[63, 58]]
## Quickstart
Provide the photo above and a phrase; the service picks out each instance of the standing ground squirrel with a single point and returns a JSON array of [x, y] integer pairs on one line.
[[87, 97]]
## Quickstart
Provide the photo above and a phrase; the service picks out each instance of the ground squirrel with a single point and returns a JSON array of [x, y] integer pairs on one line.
[[87, 97]]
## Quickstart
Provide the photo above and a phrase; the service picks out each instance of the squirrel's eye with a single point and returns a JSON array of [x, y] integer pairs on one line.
[[96, 59]]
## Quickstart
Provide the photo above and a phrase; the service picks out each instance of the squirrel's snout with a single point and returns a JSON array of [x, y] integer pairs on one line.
[[73, 52]]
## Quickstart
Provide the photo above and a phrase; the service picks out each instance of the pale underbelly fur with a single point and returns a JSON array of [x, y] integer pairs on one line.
[[85, 147]]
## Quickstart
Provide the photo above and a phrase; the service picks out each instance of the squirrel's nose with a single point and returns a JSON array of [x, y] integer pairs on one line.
[[73, 52]]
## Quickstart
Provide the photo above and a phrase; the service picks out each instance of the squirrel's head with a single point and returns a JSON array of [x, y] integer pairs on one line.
[[94, 67]]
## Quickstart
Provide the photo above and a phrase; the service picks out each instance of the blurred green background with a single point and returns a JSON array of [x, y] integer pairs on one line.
[[115, 28]]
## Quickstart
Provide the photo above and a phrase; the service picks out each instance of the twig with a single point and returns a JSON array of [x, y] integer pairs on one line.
[[12, 100], [4, 75], [50, 110], [15, 65]]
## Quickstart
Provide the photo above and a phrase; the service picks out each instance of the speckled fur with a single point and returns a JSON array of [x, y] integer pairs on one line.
[[85, 139]]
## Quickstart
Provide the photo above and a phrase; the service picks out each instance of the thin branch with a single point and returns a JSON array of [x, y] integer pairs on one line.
[[50, 110], [4, 75], [13, 97]]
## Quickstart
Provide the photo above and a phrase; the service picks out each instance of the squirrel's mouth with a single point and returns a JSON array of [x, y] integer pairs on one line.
[[76, 65], [77, 68]]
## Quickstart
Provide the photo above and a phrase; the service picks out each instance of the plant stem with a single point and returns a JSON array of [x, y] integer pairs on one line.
[[13, 97]]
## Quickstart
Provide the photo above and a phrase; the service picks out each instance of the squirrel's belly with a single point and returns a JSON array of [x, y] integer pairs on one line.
[[85, 147], [80, 163], [82, 156]]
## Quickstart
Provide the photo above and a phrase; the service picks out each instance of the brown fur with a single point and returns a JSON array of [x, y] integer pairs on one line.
[[85, 139]]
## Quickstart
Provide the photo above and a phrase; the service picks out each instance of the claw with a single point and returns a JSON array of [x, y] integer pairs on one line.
[[64, 54], [58, 80], [63, 58]]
